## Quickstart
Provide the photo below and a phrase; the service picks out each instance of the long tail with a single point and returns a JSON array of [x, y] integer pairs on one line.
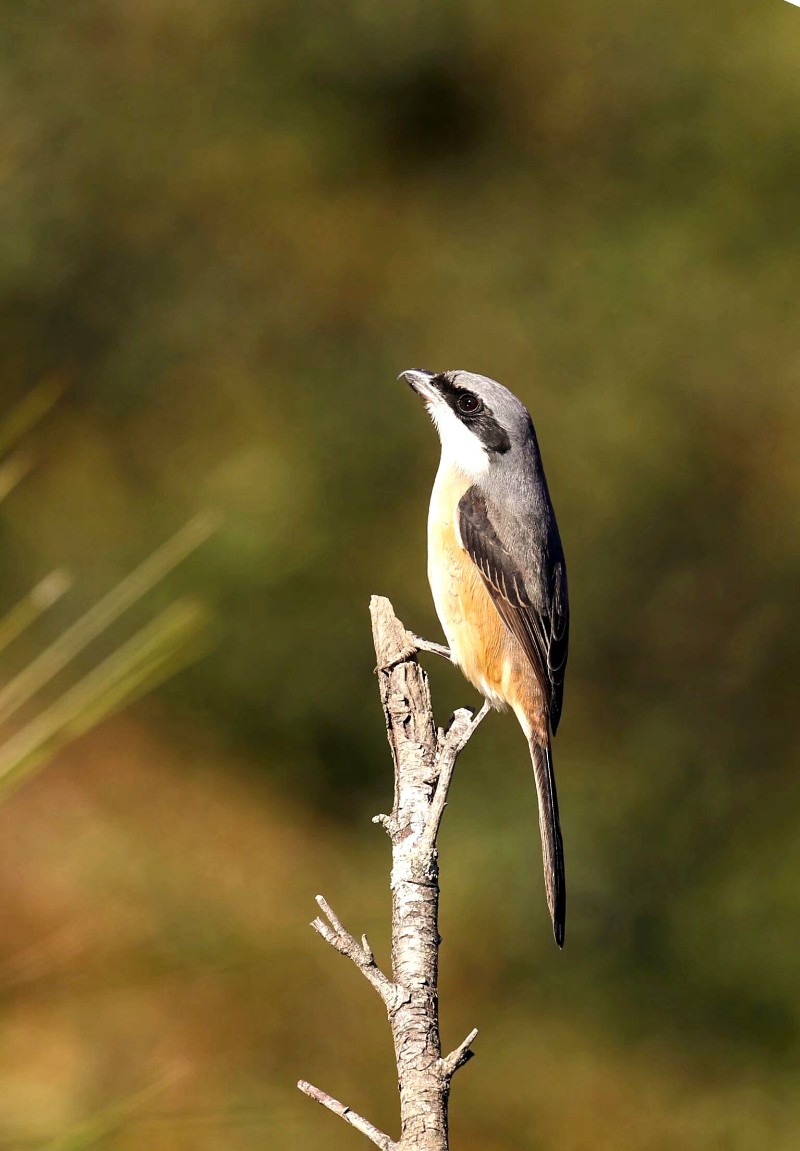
[[550, 829]]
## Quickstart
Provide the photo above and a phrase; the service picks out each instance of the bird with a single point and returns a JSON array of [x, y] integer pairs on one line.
[[498, 575]]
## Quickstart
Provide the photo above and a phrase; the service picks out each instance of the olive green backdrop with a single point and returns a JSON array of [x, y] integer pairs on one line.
[[225, 227]]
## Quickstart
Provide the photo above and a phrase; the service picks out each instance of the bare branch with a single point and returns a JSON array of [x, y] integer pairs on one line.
[[352, 1117], [393, 644], [424, 760], [462, 728], [336, 934], [387, 822], [459, 1056]]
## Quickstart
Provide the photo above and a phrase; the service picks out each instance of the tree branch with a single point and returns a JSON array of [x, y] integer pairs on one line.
[[361, 954], [460, 1055], [352, 1117], [461, 729], [424, 762]]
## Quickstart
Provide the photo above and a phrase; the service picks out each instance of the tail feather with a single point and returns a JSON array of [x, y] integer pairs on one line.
[[550, 830]]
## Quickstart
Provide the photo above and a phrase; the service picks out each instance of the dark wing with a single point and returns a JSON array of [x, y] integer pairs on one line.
[[542, 628]]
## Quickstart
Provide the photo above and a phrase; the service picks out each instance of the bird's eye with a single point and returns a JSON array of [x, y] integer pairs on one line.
[[469, 404]]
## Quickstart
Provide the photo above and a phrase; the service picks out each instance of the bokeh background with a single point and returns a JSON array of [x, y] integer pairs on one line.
[[225, 226]]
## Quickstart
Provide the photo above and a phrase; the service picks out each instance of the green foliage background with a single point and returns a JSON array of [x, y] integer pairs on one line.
[[225, 226]]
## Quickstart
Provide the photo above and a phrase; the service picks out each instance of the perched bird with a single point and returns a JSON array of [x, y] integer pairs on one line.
[[497, 572]]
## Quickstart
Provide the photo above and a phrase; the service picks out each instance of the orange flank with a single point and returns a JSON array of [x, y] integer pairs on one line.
[[488, 654]]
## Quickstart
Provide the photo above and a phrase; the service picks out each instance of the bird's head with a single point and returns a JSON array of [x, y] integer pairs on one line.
[[478, 420]]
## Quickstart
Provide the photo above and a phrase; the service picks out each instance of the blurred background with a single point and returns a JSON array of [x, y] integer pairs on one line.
[[225, 227]]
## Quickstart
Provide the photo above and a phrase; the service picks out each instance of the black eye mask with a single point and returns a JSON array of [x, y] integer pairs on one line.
[[481, 422]]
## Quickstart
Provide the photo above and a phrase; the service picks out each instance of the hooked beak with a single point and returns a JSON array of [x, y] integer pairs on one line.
[[420, 379]]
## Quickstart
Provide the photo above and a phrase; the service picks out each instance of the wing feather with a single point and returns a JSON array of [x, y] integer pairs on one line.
[[539, 622]]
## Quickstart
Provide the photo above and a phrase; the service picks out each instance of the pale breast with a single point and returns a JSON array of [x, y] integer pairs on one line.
[[480, 643]]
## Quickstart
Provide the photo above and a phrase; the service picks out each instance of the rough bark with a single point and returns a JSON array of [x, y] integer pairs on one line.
[[424, 758]]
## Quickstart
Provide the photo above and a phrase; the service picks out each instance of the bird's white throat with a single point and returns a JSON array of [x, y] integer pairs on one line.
[[461, 449]]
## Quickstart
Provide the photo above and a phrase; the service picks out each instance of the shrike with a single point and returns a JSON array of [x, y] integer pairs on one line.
[[497, 572]]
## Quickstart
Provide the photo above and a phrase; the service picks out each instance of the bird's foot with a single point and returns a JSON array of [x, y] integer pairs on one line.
[[428, 645]]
